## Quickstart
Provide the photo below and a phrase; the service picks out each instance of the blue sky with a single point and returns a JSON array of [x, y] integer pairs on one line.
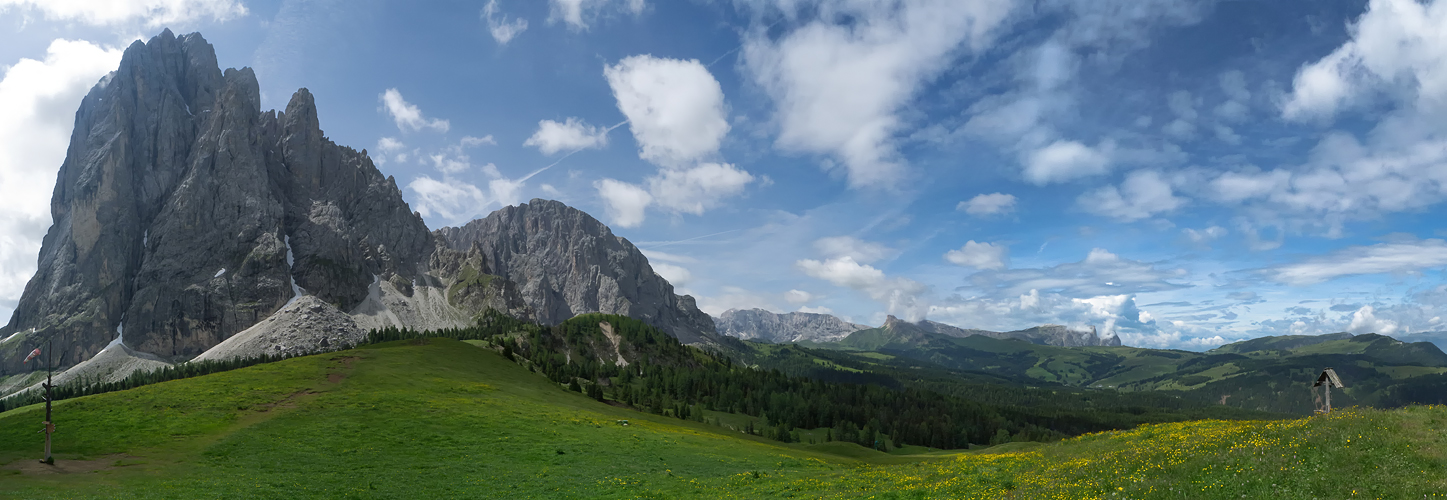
[[1183, 173]]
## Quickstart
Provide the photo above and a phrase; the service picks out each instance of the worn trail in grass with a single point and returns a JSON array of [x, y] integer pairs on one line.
[[450, 419]]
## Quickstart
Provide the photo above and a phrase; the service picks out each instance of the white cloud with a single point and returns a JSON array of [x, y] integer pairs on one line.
[[675, 108], [624, 202], [848, 246], [577, 14], [452, 200], [798, 297], [389, 145], [902, 297], [1204, 236], [407, 115], [470, 141], [988, 204], [676, 275], [152, 13], [1396, 44], [1067, 160], [571, 135], [980, 255], [734, 298], [1100, 273], [1364, 320], [816, 310], [39, 99], [502, 30], [840, 80], [1143, 194], [668, 257], [1395, 257], [696, 189]]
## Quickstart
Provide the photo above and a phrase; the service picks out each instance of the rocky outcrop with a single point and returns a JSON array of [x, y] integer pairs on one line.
[[186, 214], [764, 326], [548, 262], [305, 326]]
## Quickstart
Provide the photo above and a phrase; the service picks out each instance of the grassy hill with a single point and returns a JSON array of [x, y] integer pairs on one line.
[[1267, 374], [440, 417]]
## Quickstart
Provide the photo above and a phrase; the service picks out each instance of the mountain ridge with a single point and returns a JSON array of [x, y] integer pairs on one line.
[[184, 215]]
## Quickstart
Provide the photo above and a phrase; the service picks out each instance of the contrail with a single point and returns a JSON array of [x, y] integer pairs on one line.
[[656, 244], [570, 153]]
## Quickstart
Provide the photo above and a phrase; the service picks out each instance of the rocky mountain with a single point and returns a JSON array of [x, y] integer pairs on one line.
[[1055, 335], [764, 326], [545, 261], [184, 214]]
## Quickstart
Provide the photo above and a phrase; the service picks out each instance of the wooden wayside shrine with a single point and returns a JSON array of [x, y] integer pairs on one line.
[[1326, 381]]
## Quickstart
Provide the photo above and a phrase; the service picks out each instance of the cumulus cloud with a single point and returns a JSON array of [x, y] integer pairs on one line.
[[816, 310], [1365, 320], [389, 145], [980, 255], [840, 79], [699, 188], [1030, 119], [1204, 236], [407, 115], [449, 199], [675, 108], [625, 203], [39, 98], [988, 204], [677, 276], [1067, 160], [1393, 257], [1144, 194], [577, 14], [502, 30], [798, 297], [692, 190], [571, 135], [848, 246], [902, 297], [152, 13], [1396, 44]]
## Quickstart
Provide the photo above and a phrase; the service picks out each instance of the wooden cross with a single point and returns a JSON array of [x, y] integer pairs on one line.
[[1326, 381]]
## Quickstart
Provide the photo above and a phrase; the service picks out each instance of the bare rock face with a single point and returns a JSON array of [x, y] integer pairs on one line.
[[548, 262], [765, 326], [183, 214], [186, 214]]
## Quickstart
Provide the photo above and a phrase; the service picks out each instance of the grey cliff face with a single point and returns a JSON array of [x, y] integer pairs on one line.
[[557, 262], [761, 325], [176, 203]]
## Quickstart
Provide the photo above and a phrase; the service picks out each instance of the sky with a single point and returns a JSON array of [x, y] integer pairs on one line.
[[1183, 173]]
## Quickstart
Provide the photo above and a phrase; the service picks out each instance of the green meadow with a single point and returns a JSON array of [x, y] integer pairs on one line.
[[443, 418]]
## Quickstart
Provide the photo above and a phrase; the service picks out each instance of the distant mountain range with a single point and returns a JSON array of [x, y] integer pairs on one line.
[[764, 326]]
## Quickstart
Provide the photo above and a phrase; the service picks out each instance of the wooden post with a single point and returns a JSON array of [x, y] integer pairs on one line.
[[49, 426], [1328, 398]]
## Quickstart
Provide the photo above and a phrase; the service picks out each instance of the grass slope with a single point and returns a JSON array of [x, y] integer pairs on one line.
[[447, 419]]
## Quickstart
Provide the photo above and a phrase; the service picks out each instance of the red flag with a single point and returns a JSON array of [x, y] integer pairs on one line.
[[32, 355]]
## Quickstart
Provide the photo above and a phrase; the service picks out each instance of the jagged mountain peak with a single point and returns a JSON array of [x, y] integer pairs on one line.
[[762, 325], [566, 263]]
